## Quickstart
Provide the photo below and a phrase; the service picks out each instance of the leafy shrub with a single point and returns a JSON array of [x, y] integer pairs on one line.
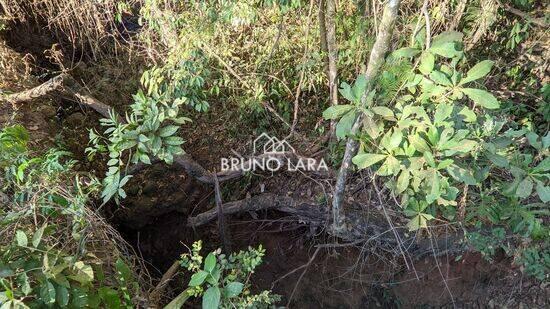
[[223, 282], [45, 257]]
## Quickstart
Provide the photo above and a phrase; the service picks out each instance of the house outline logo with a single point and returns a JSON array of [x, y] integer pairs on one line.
[[271, 145]]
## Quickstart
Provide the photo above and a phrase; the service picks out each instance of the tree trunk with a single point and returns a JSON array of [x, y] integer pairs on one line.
[[380, 48], [332, 48]]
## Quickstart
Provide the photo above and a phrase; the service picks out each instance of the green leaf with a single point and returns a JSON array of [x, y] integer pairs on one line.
[[233, 289], [344, 125], [360, 86], [390, 167], [210, 262], [477, 71], [543, 192], [418, 143], [198, 278], [482, 98], [211, 298], [525, 188], [24, 282], [469, 115], [383, 111], [543, 166], [497, 159], [336, 111], [403, 181], [446, 37], [62, 295], [168, 131], [427, 62], [47, 292], [440, 78], [346, 92], [178, 302], [445, 49], [21, 238], [110, 297], [405, 52], [462, 175], [442, 112], [84, 273], [37, 237], [367, 159]]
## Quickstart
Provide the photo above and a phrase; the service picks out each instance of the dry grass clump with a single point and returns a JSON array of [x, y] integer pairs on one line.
[[16, 70], [86, 24]]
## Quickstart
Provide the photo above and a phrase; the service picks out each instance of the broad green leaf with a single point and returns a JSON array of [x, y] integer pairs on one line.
[[462, 175], [469, 115], [37, 237], [5, 271], [360, 86], [336, 111], [84, 273], [395, 140], [367, 159], [178, 302], [344, 125], [525, 188], [21, 238], [543, 192], [233, 289], [346, 92], [440, 78], [418, 143], [403, 181], [446, 37], [383, 111], [211, 298], [210, 262], [47, 292], [463, 146], [447, 50], [110, 297], [442, 112], [62, 296], [427, 62], [482, 98], [477, 71], [497, 159], [198, 278], [24, 282], [168, 131], [390, 167], [419, 221], [543, 166], [405, 52], [428, 156]]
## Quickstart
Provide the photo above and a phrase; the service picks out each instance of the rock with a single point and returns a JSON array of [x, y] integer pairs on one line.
[[75, 120]]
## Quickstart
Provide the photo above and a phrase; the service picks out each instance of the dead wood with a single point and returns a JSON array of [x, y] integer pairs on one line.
[[357, 229]]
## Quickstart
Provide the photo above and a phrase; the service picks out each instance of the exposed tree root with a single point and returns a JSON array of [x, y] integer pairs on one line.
[[357, 228]]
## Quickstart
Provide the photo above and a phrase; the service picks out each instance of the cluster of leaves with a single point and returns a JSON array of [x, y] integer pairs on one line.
[[223, 282], [432, 141], [436, 137], [42, 265]]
